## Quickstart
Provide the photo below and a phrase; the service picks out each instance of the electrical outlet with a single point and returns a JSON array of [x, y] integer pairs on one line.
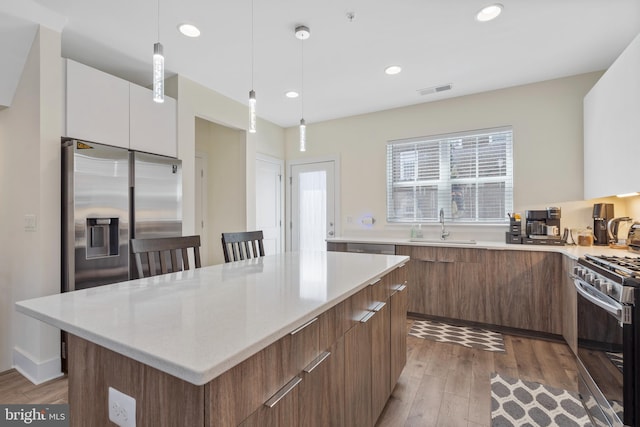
[[122, 408]]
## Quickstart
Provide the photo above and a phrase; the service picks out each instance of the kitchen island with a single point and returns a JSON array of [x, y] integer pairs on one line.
[[239, 343]]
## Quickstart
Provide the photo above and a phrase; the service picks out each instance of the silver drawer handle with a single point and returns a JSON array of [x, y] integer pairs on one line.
[[375, 282], [283, 392], [398, 287], [317, 362], [303, 326], [379, 307], [368, 316]]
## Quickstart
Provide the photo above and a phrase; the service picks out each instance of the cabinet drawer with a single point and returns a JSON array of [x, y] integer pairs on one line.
[[358, 306], [236, 394], [305, 343]]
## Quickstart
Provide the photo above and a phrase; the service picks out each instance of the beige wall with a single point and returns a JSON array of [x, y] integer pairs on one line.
[[225, 150], [197, 101], [548, 166], [30, 184]]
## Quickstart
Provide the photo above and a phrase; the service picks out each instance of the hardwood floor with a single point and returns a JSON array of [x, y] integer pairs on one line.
[[441, 385], [15, 389], [449, 385]]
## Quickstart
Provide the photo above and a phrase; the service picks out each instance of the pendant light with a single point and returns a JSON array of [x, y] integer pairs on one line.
[[158, 67], [302, 33], [252, 93]]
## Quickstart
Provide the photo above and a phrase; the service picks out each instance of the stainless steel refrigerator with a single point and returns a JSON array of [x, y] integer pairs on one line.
[[109, 196]]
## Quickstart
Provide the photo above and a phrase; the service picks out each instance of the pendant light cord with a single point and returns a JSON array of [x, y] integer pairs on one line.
[[158, 21], [252, 42], [302, 74]]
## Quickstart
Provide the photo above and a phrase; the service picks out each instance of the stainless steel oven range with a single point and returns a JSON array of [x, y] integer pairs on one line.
[[609, 338]]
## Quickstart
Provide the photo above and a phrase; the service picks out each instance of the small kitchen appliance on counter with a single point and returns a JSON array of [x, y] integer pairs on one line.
[[633, 239], [543, 227], [602, 214], [616, 228]]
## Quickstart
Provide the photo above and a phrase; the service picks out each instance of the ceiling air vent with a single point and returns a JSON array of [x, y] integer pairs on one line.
[[434, 89]]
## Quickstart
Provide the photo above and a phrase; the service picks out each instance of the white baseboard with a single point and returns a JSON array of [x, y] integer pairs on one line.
[[36, 372]]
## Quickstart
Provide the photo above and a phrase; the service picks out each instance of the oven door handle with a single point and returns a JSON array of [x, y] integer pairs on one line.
[[613, 309]]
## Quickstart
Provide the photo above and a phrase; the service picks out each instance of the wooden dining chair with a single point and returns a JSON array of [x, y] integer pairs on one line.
[[242, 245], [155, 250]]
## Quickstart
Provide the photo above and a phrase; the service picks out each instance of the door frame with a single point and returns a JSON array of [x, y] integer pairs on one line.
[[283, 222], [202, 229], [336, 192]]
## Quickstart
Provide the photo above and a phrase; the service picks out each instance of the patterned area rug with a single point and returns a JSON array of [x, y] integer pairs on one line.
[[616, 359], [463, 335], [521, 403]]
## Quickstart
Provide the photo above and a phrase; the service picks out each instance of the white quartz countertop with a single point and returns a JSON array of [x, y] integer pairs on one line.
[[199, 323], [572, 251]]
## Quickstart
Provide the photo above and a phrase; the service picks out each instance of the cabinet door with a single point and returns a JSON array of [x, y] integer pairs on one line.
[[234, 395], [322, 390], [357, 376], [611, 110], [97, 106], [380, 325], [153, 125], [446, 282], [398, 303], [281, 410], [524, 290]]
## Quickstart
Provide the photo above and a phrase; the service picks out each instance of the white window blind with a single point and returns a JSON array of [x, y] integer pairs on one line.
[[469, 175]]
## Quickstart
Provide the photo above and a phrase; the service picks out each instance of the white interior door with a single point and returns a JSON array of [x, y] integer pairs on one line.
[[312, 205], [269, 209]]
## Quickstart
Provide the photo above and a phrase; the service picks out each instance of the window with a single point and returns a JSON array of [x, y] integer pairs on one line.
[[469, 175]]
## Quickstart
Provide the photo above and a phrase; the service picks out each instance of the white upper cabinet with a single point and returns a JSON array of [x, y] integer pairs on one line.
[[152, 125], [106, 109], [612, 128], [97, 106]]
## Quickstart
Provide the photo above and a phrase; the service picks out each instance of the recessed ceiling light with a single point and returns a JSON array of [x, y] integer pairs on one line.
[[292, 94], [189, 30], [393, 69], [489, 12]]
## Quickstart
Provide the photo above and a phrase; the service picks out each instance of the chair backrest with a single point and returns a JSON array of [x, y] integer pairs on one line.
[[154, 251], [242, 245]]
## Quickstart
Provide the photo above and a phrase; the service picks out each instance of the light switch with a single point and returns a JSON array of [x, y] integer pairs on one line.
[[30, 222]]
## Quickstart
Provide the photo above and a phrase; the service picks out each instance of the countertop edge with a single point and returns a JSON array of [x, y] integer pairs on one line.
[[571, 251]]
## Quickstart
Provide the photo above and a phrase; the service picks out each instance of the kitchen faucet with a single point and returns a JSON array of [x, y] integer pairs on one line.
[[443, 234]]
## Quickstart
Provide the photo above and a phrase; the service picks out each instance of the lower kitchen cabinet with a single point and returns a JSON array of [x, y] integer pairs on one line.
[[357, 375], [447, 282], [380, 359], [322, 390], [398, 328], [336, 370], [524, 289], [510, 288], [280, 410]]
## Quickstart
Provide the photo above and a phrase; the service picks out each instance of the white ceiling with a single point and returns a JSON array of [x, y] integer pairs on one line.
[[435, 41]]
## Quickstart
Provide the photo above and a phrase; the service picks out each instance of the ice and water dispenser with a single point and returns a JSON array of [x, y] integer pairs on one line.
[[102, 237]]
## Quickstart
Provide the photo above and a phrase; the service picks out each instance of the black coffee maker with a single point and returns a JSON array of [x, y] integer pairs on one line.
[[602, 213], [543, 224]]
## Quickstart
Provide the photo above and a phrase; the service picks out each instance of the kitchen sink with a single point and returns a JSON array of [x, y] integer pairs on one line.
[[444, 242]]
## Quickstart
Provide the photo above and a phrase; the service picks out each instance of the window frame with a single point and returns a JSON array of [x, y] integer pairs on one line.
[[443, 184]]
